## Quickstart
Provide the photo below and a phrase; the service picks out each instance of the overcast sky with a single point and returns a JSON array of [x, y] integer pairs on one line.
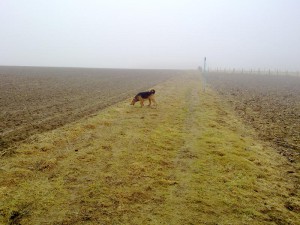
[[151, 33]]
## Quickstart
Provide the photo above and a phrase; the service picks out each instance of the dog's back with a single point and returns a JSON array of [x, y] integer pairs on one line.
[[144, 95]]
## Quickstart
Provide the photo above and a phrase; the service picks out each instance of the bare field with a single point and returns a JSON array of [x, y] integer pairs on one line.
[[190, 160], [33, 99], [271, 104]]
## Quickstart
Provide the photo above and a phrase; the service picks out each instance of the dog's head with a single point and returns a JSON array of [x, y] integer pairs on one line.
[[152, 91], [134, 100]]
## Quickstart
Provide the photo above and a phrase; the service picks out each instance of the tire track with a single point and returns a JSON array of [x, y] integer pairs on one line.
[[179, 193]]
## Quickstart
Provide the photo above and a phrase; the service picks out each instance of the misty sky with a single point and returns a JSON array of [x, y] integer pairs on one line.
[[151, 33]]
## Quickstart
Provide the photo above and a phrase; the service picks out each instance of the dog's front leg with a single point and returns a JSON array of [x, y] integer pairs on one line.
[[142, 102], [149, 102]]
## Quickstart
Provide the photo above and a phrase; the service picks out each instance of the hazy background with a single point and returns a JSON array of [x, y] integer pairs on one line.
[[151, 33]]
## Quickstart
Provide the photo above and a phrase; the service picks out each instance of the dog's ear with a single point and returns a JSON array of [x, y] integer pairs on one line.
[[152, 91]]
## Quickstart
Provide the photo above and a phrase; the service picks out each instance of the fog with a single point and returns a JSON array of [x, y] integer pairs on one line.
[[151, 33]]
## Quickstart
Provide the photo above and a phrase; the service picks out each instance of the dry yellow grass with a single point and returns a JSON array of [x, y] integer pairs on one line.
[[188, 161]]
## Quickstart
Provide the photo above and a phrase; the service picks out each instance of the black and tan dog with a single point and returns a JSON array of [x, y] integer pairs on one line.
[[142, 96]]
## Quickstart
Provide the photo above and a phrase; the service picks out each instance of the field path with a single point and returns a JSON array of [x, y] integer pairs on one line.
[[185, 157], [190, 160]]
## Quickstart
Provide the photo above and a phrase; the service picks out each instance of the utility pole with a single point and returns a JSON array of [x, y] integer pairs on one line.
[[204, 71]]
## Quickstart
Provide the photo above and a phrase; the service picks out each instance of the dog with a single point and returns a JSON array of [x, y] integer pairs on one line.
[[142, 96]]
